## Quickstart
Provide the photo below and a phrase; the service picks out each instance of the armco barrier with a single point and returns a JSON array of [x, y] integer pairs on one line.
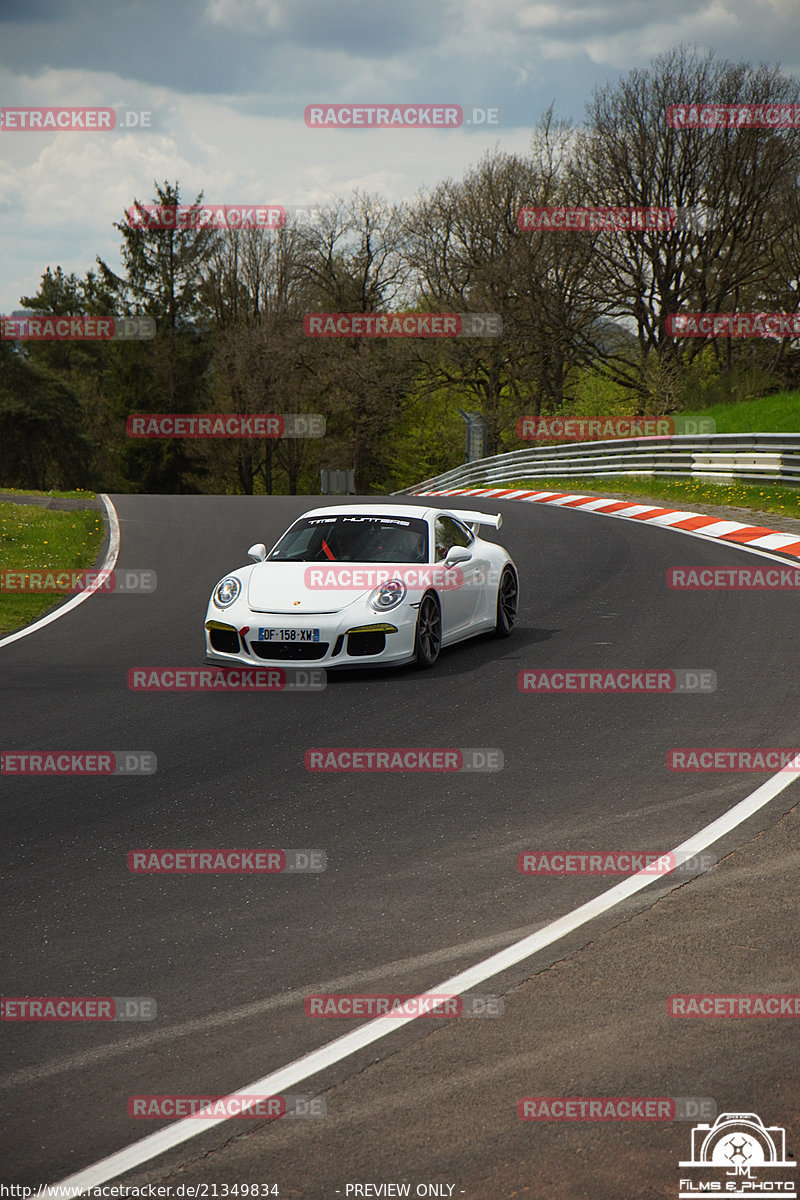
[[761, 457]]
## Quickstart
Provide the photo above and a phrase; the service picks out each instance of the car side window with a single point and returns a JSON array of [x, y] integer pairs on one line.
[[463, 536], [443, 537], [450, 533]]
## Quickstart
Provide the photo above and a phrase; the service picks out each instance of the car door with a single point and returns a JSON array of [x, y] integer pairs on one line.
[[459, 604], [478, 572]]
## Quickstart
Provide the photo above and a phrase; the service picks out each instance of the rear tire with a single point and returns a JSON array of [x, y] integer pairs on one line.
[[428, 635], [507, 603]]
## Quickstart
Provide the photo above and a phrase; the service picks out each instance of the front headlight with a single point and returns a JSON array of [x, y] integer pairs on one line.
[[226, 592], [388, 595]]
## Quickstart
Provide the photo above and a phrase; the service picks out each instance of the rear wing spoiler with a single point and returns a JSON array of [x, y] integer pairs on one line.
[[476, 518]]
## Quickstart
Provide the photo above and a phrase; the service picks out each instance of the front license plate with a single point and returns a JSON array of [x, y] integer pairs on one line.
[[288, 635]]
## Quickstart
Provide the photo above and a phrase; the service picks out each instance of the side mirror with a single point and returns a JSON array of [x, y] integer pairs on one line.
[[457, 554], [258, 552]]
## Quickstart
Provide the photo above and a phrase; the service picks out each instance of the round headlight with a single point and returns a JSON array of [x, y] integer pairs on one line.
[[388, 595], [226, 592]]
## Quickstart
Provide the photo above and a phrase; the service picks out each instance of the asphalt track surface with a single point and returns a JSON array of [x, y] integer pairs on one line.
[[422, 876]]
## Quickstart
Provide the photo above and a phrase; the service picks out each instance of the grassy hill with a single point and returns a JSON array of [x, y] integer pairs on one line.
[[769, 414]]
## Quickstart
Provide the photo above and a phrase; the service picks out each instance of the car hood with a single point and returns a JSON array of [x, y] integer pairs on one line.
[[281, 587]]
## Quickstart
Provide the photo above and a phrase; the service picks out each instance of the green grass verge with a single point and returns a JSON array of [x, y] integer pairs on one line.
[[41, 538], [759, 498], [77, 494], [769, 414], [776, 413]]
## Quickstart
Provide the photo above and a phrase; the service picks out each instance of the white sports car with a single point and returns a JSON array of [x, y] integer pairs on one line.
[[355, 585]]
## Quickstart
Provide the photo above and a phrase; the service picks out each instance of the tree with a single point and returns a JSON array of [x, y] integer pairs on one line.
[[162, 278], [41, 442], [469, 255], [629, 155], [355, 263], [253, 287]]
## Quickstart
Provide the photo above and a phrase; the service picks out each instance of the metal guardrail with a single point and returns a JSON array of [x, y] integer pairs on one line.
[[760, 457]]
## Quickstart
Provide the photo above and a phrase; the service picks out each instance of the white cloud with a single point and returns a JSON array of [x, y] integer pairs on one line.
[[228, 98], [247, 16], [62, 193]]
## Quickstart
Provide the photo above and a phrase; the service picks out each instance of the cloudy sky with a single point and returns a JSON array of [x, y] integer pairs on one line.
[[227, 83]]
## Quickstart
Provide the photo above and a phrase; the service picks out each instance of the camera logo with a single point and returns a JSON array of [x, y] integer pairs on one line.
[[738, 1155]]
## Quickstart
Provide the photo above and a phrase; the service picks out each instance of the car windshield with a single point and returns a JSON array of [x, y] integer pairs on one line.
[[354, 538]]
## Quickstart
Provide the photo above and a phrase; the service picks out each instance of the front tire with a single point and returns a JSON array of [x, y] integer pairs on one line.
[[428, 635], [507, 603]]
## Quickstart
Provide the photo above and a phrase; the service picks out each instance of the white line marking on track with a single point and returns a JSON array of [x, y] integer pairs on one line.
[[342, 1047], [108, 565]]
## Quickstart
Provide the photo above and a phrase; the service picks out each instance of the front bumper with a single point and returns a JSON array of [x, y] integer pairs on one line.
[[346, 639]]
